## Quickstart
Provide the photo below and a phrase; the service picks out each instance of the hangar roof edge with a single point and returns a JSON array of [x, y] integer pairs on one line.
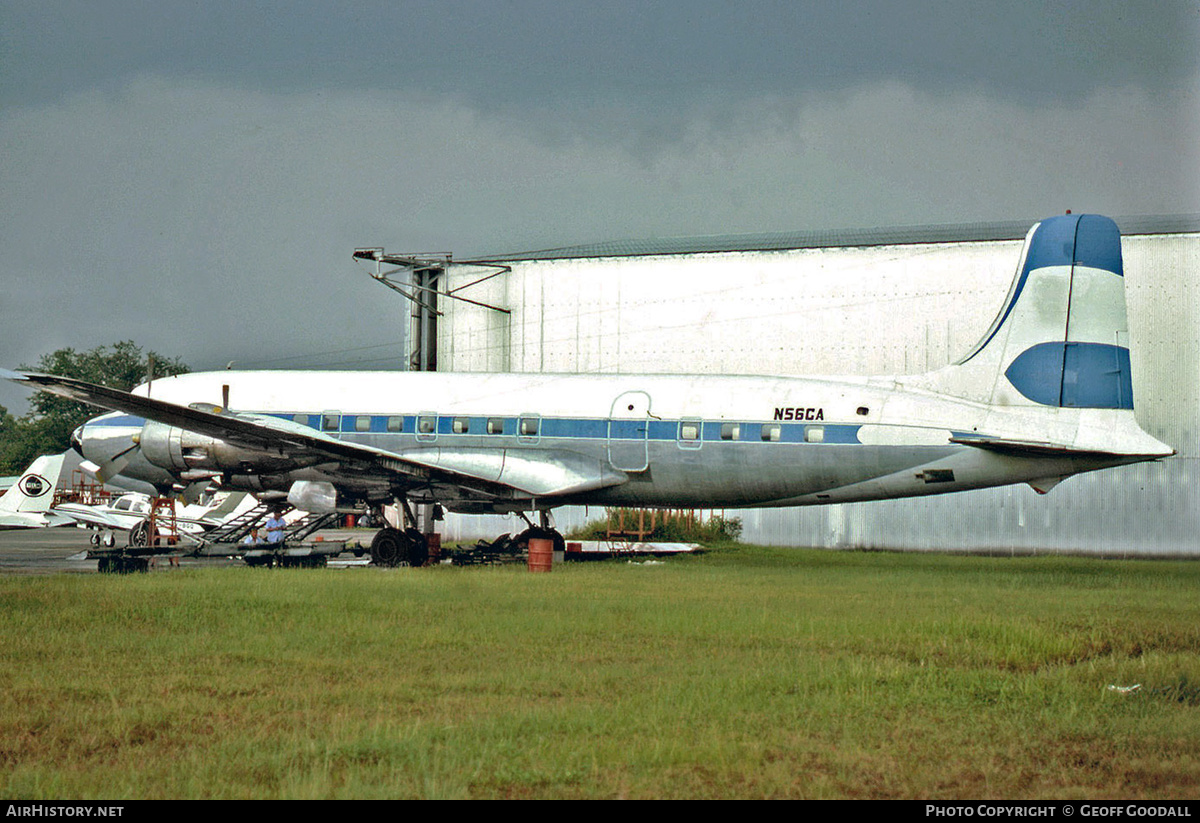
[[883, 236]]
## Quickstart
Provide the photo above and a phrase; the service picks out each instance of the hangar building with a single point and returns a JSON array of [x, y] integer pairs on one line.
[[876, 301]]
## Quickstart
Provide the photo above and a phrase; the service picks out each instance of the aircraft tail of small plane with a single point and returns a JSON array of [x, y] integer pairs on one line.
[[34, 490]]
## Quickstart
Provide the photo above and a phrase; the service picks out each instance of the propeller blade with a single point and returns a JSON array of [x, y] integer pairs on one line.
[[110, 468], [192, 491]]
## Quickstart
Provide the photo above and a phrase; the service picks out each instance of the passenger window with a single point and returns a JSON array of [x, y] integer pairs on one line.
[[362, 423], [529, 427], [771, 434], [426, 424], [302, 419], [461, 425], [689, 431], [329, 422], [730, 431], [395, 424], [495, 425], [814, 434]]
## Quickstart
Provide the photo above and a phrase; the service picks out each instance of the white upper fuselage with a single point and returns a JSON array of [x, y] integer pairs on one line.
[[891, 410]]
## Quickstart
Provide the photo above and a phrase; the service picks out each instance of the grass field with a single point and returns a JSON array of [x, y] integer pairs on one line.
[[747, 672]]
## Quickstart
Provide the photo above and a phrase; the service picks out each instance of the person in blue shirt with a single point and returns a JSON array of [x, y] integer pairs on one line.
[[275, 526]]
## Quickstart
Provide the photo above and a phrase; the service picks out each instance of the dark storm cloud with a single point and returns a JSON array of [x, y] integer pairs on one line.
[[195, 175], [556, 54]]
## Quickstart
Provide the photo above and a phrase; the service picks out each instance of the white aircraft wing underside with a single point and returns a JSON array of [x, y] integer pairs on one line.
[[88, 514]]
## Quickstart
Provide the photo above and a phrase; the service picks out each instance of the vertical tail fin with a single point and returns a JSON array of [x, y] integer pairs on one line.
[[1060, 339], [34, 490]]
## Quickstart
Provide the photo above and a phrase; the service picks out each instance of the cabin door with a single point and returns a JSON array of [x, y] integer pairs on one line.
[[629, 432]]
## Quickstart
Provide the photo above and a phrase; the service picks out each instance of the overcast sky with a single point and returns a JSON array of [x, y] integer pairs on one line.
[[194, 176]]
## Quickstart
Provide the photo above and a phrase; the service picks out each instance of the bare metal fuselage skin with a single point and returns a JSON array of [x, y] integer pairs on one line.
[[681, 441]]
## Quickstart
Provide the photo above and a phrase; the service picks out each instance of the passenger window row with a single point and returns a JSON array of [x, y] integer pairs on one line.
[[689, 431]]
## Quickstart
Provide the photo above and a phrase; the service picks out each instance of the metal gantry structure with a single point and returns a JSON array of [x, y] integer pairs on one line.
[[420, 279]]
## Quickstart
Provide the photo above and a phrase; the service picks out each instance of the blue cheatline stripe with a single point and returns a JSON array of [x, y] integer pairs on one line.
[[590, 428], [1074, 375]]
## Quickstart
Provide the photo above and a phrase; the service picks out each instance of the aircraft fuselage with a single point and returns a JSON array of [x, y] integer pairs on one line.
[[671, 440]]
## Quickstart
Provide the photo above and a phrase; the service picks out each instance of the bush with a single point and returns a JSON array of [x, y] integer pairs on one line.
[[662, 527]]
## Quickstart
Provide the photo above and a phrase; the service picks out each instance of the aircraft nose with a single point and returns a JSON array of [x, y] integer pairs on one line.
[[77, 440]]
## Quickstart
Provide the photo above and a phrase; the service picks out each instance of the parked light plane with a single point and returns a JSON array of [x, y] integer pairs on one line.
[[1047, 393], [130, 510], [27, 503]]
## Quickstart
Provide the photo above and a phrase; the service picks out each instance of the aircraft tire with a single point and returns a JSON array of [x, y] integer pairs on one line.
[[139, 535], [389, 548]]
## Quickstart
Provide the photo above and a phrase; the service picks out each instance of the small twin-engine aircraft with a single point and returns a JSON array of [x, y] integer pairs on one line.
[[1047, 393], [27, 503], [130, 512]]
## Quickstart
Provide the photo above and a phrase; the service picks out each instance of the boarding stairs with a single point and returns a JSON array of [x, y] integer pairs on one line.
[[234, 531]]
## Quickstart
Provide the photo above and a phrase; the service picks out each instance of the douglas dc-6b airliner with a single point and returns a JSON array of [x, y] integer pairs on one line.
[[1047, 393]]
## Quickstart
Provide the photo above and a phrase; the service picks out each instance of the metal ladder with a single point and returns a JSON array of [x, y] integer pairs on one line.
[[232, 531]]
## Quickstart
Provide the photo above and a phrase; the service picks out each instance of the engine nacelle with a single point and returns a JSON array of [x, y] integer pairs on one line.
[[315, 497], [179, 450]]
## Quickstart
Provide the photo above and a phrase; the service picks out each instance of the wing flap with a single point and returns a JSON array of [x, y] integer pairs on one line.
[[538, 473]]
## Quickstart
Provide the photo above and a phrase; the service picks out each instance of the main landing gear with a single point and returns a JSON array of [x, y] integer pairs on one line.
[[408, 547], [543, 531], [400, 547]]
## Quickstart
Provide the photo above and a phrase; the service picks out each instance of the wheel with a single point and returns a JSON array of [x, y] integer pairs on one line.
[[389, 548], [139, 535]]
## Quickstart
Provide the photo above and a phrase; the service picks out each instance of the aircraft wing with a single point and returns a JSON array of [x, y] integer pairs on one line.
[[87, 514], [493, 472]]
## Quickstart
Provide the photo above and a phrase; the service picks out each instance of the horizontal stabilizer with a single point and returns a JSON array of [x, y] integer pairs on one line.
[[1033, 448]]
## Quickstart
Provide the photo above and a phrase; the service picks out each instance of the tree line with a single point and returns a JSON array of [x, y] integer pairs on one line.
[[47, 427]]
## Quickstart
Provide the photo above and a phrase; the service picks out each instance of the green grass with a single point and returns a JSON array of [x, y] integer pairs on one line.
[[746, 672]]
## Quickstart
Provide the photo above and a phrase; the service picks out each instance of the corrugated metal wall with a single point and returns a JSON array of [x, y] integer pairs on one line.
[[860, 310]]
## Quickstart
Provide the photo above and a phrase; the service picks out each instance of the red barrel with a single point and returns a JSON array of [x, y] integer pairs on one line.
[[541, 554]]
